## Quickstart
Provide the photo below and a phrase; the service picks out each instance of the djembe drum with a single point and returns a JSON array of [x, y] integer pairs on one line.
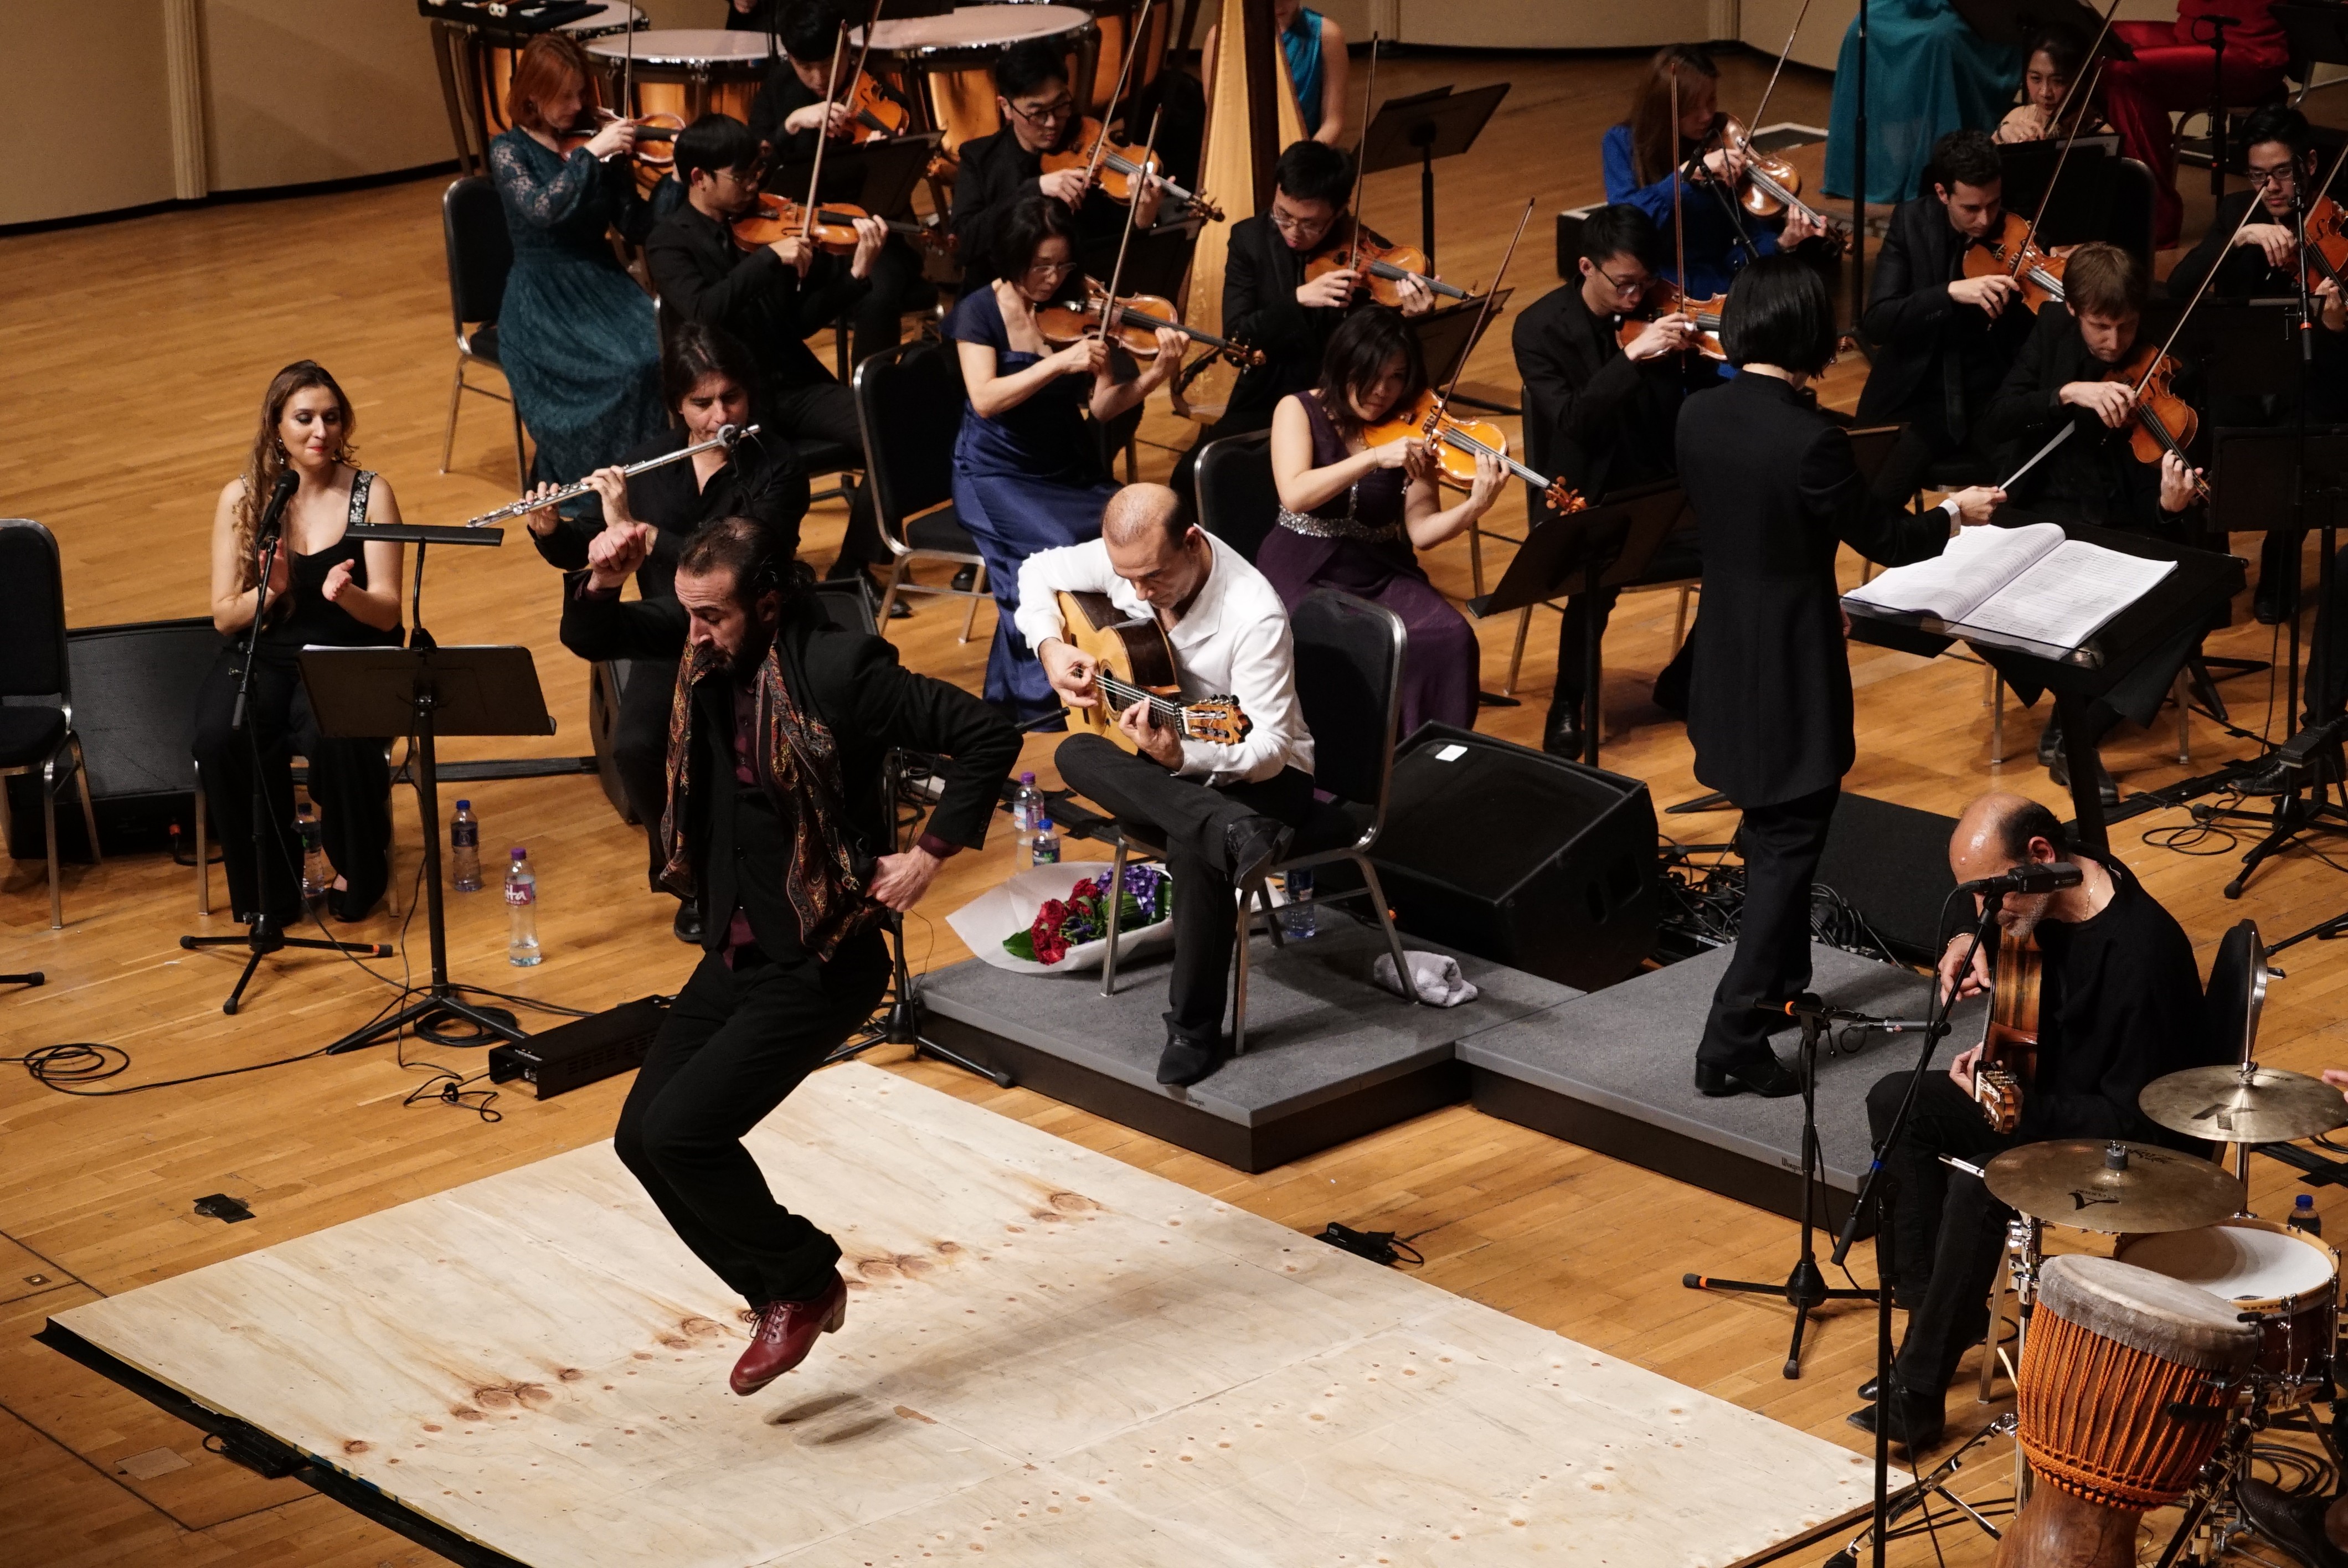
[[2126, 1383]]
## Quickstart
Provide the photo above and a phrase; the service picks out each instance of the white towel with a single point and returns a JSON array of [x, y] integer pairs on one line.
[[1436, 976]]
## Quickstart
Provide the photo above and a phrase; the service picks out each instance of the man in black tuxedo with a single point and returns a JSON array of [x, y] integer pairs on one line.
[[778, 819], [1776, 490], [1943, 341], [757, 298], [1601, 415], [1269, 305]]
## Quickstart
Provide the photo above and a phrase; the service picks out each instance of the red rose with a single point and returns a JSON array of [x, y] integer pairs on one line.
[[1050, 945]]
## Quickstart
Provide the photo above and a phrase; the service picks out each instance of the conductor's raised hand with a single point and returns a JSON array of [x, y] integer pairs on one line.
[[900, 880], [1071, 671], [1158, 742], [614, 555], [1977, 503]]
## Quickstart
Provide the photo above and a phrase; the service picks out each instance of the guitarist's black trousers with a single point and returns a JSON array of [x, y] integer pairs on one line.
[[1951, 1233], [1189, 819]]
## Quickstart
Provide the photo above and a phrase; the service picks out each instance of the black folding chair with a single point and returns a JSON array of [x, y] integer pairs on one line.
[[908, 403], [36, 725], [480, 254]]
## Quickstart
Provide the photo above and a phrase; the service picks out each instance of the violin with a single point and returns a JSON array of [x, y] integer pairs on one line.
[[1455, 443], [1118, 167], [1139, 317], [2165, 422], [833, 231], [1662, 299], [2009, 1052], [2326, 252], [874, 113], [2015, 254], [655, 138], [1769, 185], [1382, 266]]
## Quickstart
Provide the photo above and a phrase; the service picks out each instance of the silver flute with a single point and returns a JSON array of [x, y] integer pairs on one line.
[[726, 436]]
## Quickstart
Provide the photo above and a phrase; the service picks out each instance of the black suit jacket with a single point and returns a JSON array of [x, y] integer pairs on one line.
[[2243, 273], [703, 276], [1916, 327], [1775, 489], [1593, 416], [1260, 277], [870, 703], [996, 173], [2092, 478]]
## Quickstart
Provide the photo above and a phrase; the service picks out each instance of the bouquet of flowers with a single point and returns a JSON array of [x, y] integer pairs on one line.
[[1146, 898]]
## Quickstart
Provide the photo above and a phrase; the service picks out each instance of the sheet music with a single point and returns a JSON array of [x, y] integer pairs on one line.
[[1973, 566], [2067, 596]]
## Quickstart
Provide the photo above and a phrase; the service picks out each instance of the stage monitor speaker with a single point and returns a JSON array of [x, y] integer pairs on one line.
[[134, 690], [1891, 864], [1520, 858]]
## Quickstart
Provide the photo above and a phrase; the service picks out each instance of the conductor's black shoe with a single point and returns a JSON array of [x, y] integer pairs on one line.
[[1763, 1075], [686, 927], [1562, 736], [1254, 843], [2106, 786], [1186, 1061], [2292, 1524], [1917, 1420], [1672, 690]]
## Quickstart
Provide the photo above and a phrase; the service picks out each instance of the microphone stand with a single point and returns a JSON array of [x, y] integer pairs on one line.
[[262, 935]]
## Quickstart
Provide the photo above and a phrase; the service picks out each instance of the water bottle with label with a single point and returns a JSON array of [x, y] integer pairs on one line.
[[2303, 1216], [1026, 811], [465, 849], [318, 873], [521, 905], [1044, 846], [1297, 915]]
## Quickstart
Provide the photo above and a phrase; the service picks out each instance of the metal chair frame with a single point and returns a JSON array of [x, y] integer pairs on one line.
[[468, 354], [903, 555], [69, 742]]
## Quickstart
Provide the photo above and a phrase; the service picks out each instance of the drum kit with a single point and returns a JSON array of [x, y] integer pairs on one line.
[[2143, 1376]]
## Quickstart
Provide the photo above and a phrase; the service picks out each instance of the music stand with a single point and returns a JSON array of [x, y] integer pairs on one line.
[[1437, 123], [426, 693], [2084, 192], [2015, 23], [1449, 333], [1568, 553], [878, 176]]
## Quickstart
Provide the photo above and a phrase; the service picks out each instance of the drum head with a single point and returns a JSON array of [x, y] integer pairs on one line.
[[2147, 1311], [2236, 1263]]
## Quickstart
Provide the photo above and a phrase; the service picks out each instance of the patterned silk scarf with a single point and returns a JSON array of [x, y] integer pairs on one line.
[[797, 765]]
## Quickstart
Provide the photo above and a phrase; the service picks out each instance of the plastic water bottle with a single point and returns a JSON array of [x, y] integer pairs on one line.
[[1026, 811], [2303, 1216], [465, 849], [1044, 846], [318, 873], [1297, 915], [521, 905]]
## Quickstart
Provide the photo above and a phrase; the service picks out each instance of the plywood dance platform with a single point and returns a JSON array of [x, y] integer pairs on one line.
[[1050, 1357]]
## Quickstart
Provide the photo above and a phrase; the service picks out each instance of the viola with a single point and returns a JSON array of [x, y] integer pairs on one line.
[[1769, 185], [874, 113], [2014, 254], [833, 231], [1662, 299], [1139, 317], [1455, 443], [1119, 167], [2165, 422], [1382, 266]]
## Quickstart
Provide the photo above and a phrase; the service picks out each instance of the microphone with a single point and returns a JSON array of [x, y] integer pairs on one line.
[[1807, 1005], [2030, 878], [287, 483]]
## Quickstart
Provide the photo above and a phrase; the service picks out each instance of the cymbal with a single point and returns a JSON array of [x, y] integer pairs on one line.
[[2214, 1102], [2073, 1181]]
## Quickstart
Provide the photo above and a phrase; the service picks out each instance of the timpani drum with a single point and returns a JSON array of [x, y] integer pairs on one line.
[[685, 71], [2289, 1277], [2126, 1381], [945, 62]]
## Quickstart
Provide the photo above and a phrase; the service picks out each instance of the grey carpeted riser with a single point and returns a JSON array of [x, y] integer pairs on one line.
[[1630, 1048], [1318, 1027]]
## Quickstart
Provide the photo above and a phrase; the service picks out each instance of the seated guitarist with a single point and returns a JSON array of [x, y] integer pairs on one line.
[[1222, 811], [2120, 1006]]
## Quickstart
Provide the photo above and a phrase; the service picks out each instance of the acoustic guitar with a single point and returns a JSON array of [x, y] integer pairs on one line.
[[2009, 1057], [1135, 665]]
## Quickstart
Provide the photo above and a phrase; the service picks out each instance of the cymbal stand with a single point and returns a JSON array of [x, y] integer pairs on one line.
[[1920, 1493]]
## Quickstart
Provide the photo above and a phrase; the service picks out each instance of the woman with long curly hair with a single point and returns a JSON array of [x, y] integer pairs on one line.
[[324, 588]]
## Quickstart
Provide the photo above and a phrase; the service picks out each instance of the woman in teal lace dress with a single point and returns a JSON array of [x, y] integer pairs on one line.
[[575, 334]]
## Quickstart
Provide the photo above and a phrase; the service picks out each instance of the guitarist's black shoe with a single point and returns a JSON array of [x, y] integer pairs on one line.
[[1186, 1061], [1253, 843]]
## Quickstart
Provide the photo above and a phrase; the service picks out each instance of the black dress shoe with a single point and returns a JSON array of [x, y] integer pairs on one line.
[[2107, 787], [1917, 1420], [964, 579], [899, 610], [2275, 778], [2292, 1524], [1562, 736], [1672, 690], [1763, 1075], [2266, 604], [1185, 1061], [686, 927], [346, 904], [1253, 843]]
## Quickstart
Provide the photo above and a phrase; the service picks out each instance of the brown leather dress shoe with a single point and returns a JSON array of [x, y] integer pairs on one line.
[[787, 1331]]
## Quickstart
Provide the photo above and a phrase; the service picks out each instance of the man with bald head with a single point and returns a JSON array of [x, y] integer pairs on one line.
[[2119, 1005], [1223, 811]]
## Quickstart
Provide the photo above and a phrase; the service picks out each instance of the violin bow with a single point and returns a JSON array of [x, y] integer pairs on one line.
[[1124, 74], [2101, 32], [2054, 178], [1483, 315], [823, 136], [1369, 87], [1679, 183], [1132, 207], [1753, 126]]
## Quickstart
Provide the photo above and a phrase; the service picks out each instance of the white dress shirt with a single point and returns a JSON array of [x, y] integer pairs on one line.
[[1232, 640]]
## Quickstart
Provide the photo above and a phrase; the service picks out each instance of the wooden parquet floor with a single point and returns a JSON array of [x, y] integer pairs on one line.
[[132, 357]]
